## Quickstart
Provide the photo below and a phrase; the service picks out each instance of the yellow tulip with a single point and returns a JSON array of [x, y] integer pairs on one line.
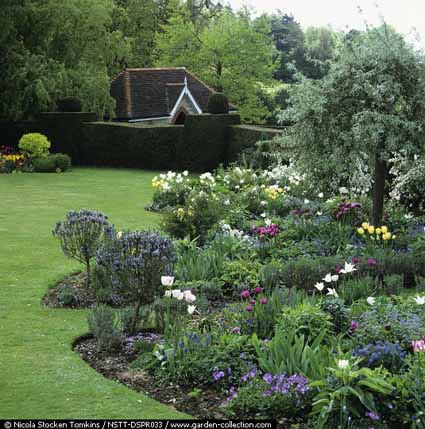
[[371, 229], [386, 236], [365, 225], [384, 229], [378, 231], [360, 231]]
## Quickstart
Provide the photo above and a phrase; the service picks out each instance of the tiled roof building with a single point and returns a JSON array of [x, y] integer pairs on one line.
[[158, 94]]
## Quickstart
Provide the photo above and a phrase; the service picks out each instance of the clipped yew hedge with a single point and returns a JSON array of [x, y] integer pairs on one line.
[[205, 141], [126, 145]]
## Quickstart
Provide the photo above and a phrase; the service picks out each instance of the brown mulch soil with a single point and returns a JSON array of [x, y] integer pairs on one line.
[[73, 284], [118, 367]]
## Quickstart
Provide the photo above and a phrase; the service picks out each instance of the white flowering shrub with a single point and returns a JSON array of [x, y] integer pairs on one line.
[[170, 189], [409, 183]]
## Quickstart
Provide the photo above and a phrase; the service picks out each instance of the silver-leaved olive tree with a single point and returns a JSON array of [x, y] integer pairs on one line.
[[369, 106]]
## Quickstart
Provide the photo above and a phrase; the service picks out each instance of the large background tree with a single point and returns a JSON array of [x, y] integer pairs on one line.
[[232, 53], [370, 105], [52, 49]]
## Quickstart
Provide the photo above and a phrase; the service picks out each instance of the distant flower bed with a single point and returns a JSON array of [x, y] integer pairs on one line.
[[33, 156]]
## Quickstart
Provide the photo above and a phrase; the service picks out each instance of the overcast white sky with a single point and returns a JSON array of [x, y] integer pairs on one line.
[[407, 16]]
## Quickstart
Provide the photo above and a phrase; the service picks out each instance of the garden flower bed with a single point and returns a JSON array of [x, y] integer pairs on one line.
[[261, 298]]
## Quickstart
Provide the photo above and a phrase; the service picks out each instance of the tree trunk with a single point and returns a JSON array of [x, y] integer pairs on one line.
[[380, 174], [219, 69]]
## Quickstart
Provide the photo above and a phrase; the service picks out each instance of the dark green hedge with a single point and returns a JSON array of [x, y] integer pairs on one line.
[[205, 140], [127, 145], [242, 137], [62, 129]]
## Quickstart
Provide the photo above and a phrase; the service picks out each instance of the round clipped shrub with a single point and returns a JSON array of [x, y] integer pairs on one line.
[[218, 103], [69, 104], [44, 165], [62, 161], [34, 145]]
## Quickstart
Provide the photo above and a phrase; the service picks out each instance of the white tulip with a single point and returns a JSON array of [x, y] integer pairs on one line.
[[371, 300], [319, 286], [191, 309], [348, 268], [330, 278], [320, 195], [343, 364], [176, 293], [420, 300], [119, 234], [167, 280], [189, 296], [332, 292]]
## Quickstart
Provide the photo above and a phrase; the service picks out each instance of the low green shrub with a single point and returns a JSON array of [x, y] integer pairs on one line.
[[195, 219], [305, 319], [44, 165], [67, 296], [56, 163], [62, 161], [34, 145], [103, 326], [339, 313]]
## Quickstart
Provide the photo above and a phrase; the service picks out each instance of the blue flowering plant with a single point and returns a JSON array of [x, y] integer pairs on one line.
[[382, 353], [81, 235], [137, 260], [270, 395]]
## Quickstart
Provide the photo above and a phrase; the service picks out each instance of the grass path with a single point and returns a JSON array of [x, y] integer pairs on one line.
[[40, 376]]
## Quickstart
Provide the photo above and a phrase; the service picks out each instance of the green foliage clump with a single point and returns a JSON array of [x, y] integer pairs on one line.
[[67, 296], [62, 161], [195, 219], [34, 145], [44, 165], [306, 319], [103, 326], [218, 103], [55, 163]]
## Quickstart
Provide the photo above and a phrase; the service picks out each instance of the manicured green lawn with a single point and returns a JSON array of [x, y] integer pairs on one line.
[[40, 376]]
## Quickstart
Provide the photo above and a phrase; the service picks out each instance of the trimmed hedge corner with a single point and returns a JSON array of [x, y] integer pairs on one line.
[[242, 137], [205, 140], [218, 103]]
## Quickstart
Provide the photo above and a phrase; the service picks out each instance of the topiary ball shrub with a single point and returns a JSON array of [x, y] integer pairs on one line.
[[34, 145], [218, 103], [44, 165], [69, 104], [62, 161]]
